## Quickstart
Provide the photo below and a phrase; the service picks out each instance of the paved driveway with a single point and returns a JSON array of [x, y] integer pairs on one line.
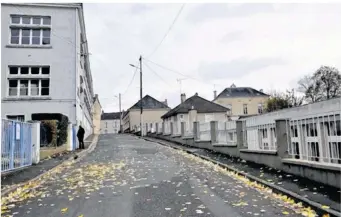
[[129, 177]]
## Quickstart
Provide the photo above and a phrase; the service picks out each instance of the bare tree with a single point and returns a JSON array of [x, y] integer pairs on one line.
[[310, 87], [325, 83], [328, 80], [293, 99], [281, 100]]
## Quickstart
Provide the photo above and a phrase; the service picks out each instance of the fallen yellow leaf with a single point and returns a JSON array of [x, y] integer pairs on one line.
[[325, 207], [285, 213], [64, 210], [81, 215]]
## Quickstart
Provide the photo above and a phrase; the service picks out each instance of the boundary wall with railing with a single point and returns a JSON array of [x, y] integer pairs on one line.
[[304, 141]]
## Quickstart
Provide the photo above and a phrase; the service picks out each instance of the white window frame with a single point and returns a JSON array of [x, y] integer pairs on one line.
[[260, 108], [20, 26], [245, 109], [29, 77]]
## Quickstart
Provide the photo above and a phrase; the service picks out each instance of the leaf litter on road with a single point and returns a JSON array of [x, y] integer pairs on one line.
[[285, 200], [75, 179]]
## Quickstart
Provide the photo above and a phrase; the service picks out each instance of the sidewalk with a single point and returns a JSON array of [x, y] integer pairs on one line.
[[311, 190], [43, 166]]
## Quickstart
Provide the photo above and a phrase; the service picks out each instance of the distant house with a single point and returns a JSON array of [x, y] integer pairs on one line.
[[96, 115], [190, 110], [110, 123], [152, 112], [242, 101]]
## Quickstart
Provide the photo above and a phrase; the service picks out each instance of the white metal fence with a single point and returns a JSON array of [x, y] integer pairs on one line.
[[316, 137], [176, 128], [204, 131], [167, 127], [188, 129], [159, 130], [259, 135], [227, 133]]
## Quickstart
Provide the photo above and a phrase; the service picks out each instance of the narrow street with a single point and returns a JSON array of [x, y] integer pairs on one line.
[[130, 177]]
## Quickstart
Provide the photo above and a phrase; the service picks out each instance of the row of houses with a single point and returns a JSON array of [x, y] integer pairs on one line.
[[232, 103]]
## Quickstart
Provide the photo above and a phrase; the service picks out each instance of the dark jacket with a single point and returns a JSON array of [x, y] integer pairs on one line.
[[81, 132]]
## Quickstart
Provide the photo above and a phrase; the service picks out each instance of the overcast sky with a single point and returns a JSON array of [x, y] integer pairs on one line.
[[264, 46]]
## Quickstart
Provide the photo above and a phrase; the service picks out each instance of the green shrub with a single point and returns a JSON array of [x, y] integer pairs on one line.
[[51, 131], [62, 125], [62, 130]]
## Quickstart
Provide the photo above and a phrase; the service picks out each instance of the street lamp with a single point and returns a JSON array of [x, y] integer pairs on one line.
[[141, 106], [119, 99]]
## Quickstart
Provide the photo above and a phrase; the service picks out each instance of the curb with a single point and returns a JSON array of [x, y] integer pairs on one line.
[[81, 155], [317, 206]]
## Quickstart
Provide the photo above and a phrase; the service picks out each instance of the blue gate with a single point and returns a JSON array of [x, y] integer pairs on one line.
[[74, 140], [16, 145]]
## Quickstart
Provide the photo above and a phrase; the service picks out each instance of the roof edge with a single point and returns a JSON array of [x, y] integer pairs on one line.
[[66, 5]]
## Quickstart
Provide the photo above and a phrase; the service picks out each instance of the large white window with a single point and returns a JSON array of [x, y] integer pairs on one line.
[[30, 30], [28, 81]]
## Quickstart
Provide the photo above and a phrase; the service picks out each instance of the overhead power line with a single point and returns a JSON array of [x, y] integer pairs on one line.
[[180, 73], [169, 29], [155, 73], [131, 81], [172, 70]]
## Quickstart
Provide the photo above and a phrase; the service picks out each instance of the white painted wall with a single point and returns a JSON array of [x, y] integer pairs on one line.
[[63, 57], [110, 126]]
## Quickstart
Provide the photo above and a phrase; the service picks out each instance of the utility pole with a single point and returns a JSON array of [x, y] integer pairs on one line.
[[119, 98], [141, 119]]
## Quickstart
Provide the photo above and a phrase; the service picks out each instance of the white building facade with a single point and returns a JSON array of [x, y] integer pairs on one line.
[[44, 62], [110, 123]]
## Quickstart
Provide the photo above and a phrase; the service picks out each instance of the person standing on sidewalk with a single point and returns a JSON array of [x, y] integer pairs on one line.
[[80, 136]]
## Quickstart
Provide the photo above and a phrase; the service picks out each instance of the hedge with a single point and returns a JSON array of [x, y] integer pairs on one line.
[[62, 122], [51, 131]]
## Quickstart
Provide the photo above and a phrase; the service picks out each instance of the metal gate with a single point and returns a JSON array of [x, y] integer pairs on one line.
[[74, 140], [16, 145]]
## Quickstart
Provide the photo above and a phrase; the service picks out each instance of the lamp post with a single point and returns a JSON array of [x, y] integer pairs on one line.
[[119, 99], [141, 105]]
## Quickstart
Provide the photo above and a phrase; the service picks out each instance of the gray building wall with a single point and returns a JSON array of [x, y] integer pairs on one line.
[[63, 57]]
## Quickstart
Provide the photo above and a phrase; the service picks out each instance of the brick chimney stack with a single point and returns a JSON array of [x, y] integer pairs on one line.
[[183, 97]]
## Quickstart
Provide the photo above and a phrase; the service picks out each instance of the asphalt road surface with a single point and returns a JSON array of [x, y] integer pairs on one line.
[[130, 177]]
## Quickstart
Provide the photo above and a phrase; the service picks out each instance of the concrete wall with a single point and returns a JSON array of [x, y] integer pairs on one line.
[[238, 102], [62, 56], [329, 174], [110, 126]]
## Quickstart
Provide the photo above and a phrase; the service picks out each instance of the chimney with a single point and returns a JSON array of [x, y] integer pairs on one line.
[[261, 90], [165, 102], [214, 94], [196, 94], [183, 97]]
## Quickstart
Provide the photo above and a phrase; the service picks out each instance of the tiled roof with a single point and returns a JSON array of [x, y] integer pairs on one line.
[[110, 116], [149, 102], [198, 103], [240, 92]]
